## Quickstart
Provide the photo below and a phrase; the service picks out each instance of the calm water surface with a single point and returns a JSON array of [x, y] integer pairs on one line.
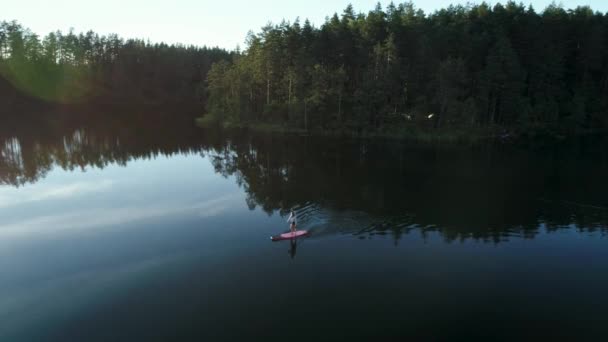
[[163, 234]]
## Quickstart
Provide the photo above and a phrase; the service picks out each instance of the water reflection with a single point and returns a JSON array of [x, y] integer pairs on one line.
[[487, 193], [293, 245], [338, 186], [30, 148]]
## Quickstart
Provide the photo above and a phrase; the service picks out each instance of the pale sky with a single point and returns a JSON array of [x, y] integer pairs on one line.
[[200, 22]]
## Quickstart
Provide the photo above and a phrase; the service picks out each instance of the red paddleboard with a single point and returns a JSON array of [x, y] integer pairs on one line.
[[290, 235]]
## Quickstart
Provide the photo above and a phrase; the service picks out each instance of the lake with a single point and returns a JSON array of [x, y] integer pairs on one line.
[[161, 232]]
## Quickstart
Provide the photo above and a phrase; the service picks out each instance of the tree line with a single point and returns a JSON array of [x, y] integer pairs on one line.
[[88, 67], [504, 67]]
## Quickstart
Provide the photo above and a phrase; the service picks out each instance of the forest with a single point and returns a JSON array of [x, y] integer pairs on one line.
[[505, 68], [86, 68]]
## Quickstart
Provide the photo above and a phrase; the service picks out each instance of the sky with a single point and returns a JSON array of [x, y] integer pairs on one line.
[[199, 22]]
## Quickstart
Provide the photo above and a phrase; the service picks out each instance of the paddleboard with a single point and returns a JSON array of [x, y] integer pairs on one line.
[[290, 235]]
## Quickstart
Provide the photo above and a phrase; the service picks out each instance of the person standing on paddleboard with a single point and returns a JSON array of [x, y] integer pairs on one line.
[[292, 221]]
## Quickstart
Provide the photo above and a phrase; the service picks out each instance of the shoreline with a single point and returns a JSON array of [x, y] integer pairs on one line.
[[409, 133], [399, 133]]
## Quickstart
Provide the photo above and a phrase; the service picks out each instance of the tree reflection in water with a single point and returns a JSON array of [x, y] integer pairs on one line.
[[344, 186]]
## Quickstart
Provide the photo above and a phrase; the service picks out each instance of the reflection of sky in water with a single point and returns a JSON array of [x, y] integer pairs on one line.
[[144, 248], [170, 186], [73, 236]]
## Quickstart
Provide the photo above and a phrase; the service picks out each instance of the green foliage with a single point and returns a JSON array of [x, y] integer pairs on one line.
[[463, 67], [68, 68]]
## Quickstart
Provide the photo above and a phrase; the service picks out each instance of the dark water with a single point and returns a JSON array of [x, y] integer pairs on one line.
[[142, 231]]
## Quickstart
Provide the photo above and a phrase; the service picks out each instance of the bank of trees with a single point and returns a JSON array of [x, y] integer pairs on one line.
[[86, 67], [464, 66]]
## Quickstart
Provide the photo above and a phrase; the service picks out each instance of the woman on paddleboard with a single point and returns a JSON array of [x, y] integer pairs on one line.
[[292, 221]]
